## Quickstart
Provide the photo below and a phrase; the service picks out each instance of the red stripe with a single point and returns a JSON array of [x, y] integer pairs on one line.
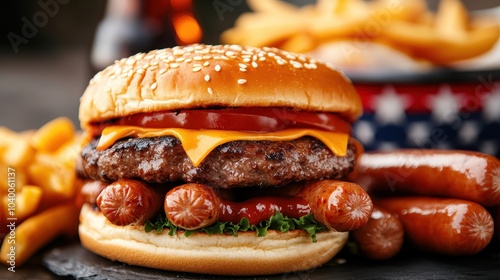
[[471, 95]]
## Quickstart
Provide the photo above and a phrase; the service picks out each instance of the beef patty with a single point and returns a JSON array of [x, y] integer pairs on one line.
[[234, 164]]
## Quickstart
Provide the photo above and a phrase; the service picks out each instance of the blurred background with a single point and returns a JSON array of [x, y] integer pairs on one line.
[[51, 48]]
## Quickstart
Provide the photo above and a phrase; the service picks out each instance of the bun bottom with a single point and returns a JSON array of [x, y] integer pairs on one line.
[[245, 254]]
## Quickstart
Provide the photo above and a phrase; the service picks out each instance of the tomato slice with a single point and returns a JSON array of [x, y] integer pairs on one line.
[[254, 119]]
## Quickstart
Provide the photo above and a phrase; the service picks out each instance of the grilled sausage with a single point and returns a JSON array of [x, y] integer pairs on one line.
[[442, 225], [382, 237], [342, 206], [459, 174], [129, 202]]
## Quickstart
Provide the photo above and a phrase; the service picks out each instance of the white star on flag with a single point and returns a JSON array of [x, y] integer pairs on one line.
[[390, 107], [491, 110], [445, 106]]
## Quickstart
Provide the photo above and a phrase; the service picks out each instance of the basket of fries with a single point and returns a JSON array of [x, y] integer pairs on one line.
[[427, 79], [38, 189]]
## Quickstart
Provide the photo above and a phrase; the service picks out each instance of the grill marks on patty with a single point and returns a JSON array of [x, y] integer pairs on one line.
[[234, 164]]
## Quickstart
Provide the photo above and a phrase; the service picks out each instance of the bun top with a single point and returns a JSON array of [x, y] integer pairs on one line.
[[201, 76]]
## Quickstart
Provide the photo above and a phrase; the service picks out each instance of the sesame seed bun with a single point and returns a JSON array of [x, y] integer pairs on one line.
[[245, 254], [200, 76]]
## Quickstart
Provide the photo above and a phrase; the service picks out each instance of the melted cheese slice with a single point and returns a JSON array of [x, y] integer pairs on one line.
[[199, 143]]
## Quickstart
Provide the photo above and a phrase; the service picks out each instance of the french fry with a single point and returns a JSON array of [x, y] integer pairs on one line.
[[15, 149], [55, 178], [299, 43], [26, 201], [425, 43], [452, 20], [37, 231], [68, 153], [271, 6], [266, 31], [53, 135]]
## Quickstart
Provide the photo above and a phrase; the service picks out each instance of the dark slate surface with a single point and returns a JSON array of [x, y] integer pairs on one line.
[[73, 261]]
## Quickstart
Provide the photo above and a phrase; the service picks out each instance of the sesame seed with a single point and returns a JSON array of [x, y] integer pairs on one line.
[[174, 65], [271, 54], [242, 65], [178, 52], [254, 64], [206, 63], [235, 47], [296, 64], [280, 61], [130, 73], [130, 61], [207, 77], [154, 86], [241, 81], [153, 67], [162, 71], [196, 69], [188, 60], [140, 71], [180, 59], [262, 58], [210, 91], [196, 65], [302, 58], [198, 57], [243, 69], [230, 53], [154, 62], [291, 56], [149, 56], [207, 56], [217, 68]]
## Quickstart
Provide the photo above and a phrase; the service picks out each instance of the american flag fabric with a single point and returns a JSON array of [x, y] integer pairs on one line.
[[444, 116]]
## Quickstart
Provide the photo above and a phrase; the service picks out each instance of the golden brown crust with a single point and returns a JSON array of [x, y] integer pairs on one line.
[[205, 76], [246, 254]]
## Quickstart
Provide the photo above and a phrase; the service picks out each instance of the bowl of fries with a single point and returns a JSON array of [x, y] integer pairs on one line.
[[369, 36], [427, 78], [38, 188]]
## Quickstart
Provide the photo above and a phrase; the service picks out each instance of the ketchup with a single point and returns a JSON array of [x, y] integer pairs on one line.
[[259, 209]]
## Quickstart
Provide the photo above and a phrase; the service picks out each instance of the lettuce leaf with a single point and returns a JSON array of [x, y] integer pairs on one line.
[[277, 221]]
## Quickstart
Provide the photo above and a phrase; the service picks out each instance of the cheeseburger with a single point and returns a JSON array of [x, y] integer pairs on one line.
[[221, 160]]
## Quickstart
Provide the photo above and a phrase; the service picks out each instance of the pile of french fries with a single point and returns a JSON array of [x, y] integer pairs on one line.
[[442, 37], [37, 188]]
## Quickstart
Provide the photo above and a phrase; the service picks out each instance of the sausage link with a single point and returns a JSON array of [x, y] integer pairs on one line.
[[459, 174], [342, 206], [129, 202], [382, 237], [91, 190], [442, 225], [192, 206]]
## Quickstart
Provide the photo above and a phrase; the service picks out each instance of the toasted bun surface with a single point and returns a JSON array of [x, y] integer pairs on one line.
[[245, 254], [200, 76]]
